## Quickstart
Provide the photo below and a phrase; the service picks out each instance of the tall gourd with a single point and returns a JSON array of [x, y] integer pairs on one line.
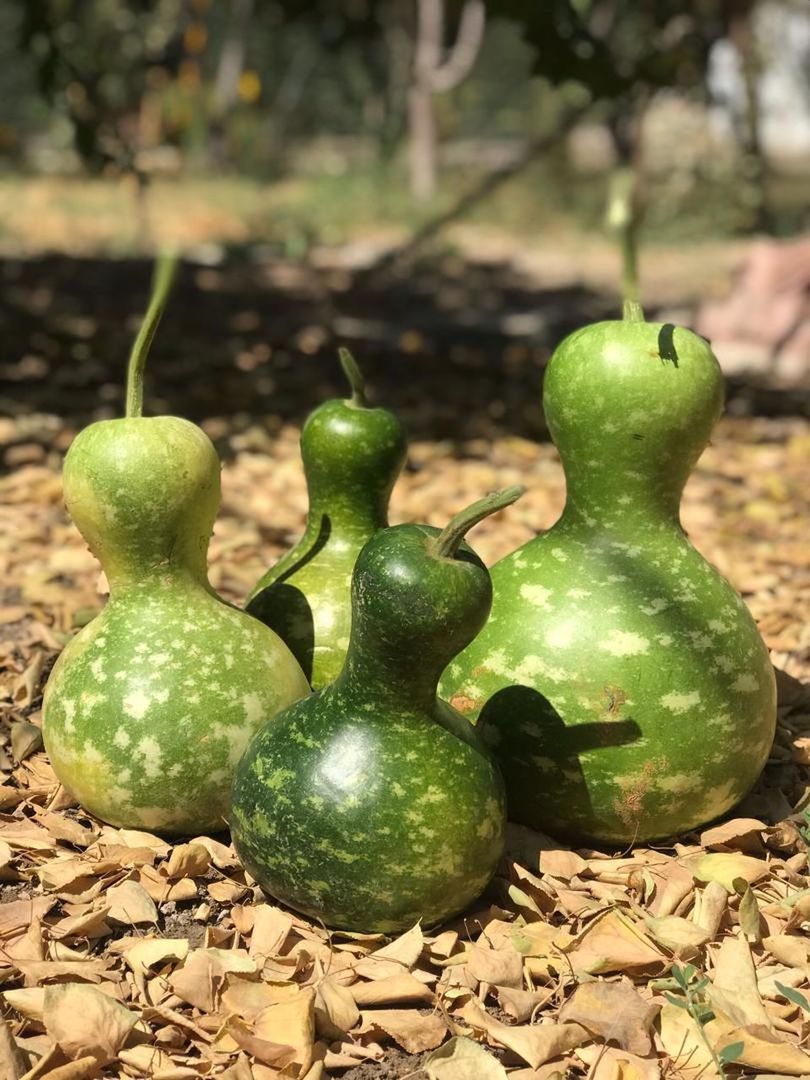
[[372, 803], [150, 706], [620, 679], [352, 456]]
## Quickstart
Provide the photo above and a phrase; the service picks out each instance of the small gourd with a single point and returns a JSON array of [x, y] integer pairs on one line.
[[373, 803], [150, 706], [352, 456], [620, 680]]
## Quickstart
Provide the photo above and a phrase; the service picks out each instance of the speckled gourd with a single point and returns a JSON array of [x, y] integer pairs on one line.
[[620, 679], [373, 803], [150, 706], [352, 456]]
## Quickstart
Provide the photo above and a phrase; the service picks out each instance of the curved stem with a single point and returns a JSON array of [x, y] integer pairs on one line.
[[355, 377], [162, 279], [622, 216], [446, 544]]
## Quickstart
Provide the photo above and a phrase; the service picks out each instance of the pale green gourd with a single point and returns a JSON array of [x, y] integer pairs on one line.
[[150, 706], [620, 679]]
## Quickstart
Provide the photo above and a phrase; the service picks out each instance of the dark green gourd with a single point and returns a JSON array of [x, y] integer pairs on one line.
[[620, 679], [352, 456], [151, 705], [373, 803]]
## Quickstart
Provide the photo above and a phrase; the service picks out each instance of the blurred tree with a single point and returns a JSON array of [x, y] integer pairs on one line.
[[433, 73], [92, 63]]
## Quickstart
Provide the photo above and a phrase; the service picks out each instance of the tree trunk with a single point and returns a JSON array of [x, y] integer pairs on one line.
[[431, 76]]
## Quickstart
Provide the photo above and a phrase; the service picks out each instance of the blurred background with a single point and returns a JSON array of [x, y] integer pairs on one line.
[[424, 180]]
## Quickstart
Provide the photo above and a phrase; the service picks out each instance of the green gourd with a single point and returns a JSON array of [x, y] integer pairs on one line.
[[620, 679], [150, 706], [352, 456], [373, 803]]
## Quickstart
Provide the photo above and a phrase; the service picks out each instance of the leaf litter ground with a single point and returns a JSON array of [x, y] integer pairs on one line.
[[126, 956]]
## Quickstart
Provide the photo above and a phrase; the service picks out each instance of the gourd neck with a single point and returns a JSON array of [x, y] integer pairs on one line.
[[353, 517], [636, 503], [409, 680], [184, 569]]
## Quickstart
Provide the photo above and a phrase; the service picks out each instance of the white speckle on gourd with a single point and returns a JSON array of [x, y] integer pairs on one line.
[[121, 739], [654, 606], [532, 666], [680, 703], [96, 668], [136, 704], [561, 636], [538, 595], [152, 758], [625, 643], [254, 713], [578, 594], [745, 684]]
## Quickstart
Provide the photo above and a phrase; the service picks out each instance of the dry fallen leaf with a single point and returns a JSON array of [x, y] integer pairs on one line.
[[129, 903], [462, 1059], [535, 1043], [615, 1011], [83, 1021]]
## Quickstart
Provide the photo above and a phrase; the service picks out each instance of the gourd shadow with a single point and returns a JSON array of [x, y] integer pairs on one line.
[[285, 608], [542, 745]]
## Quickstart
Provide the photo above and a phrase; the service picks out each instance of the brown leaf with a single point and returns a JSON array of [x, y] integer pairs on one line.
[[498, 967], [763, 1050], [271, 928], [520, 1004], [396, 988], [336, 1011], [607, 1063], [726, 867], [407, 1027], [614, 943], [187, 860], [743, 834], [199, 979], [683, 1042], [535, 1043], [83, 1021], [615, 1011], [291, 1022], [462, 1059], [678, 935], [129, 903]]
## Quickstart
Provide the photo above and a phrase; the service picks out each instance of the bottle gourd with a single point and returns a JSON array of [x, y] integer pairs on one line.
[[150, 706], [620, 679], [352, 456], [373, 803]]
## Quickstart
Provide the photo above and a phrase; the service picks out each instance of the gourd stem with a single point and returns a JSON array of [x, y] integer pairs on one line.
[[622, 217], [445, 545], [162, 279], [355, 377]]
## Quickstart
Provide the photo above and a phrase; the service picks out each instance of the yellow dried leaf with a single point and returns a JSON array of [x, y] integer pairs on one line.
[[187, 860], [407, 1027], [129, 903], [561, 863], [152, 951], [535, 1043], [29, 1003], [390, 991], [762, 1049], [336, 1011], [742, 833], [199, 979], [83, 1021], [291, 1022], [271, 928], [607, 1063], [680, 936], [462, 1059], [498, 967], [615, 1011], [681, 1038], [726, 867], [733, 989], [520, 1004], [613, 943]]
